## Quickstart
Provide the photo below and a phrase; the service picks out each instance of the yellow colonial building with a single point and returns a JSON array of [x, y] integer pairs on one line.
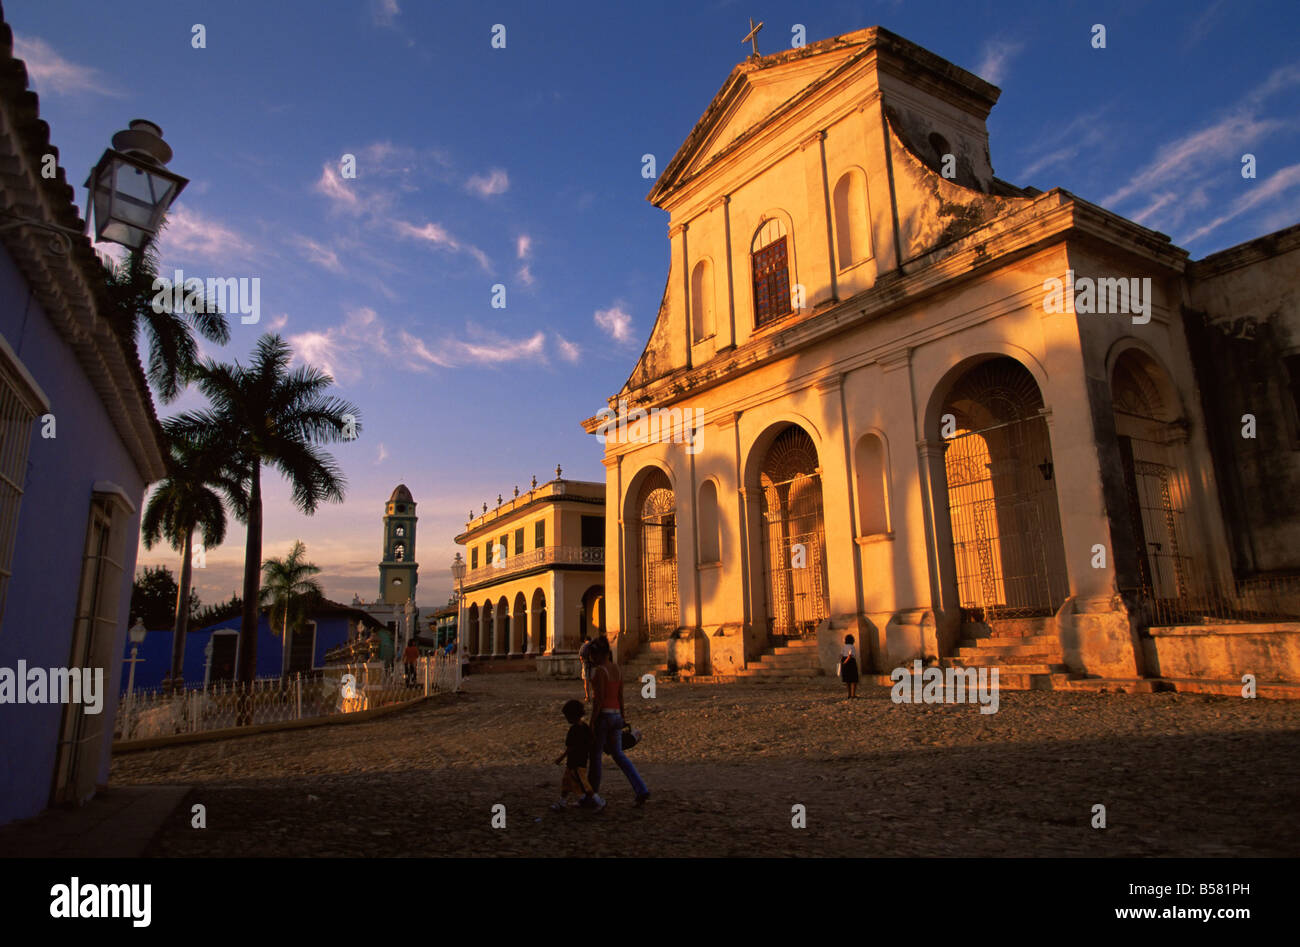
[[534, 578], [890, 394]]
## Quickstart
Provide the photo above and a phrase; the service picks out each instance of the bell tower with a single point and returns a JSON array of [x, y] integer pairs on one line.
[[398, 568]]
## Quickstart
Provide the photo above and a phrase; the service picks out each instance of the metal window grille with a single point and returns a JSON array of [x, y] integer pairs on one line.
[[771, 282], [16, 417]]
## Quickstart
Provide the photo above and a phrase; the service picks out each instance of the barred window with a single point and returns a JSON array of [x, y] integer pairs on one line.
[[21, 402], [771, 263]]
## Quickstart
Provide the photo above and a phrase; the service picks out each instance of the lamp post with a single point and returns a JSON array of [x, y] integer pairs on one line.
[[130, 192], [136, 634], [131, 188], [458, 574]]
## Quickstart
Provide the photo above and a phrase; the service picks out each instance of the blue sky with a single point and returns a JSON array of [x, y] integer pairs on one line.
[[522, 166]]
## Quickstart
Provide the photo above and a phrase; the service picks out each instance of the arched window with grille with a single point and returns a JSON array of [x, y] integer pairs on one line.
[[770, 256]]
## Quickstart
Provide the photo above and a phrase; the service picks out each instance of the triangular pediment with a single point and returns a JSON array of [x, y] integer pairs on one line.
[[756, 91]]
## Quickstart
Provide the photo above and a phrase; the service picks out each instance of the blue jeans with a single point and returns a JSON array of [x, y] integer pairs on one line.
[[608, 735]]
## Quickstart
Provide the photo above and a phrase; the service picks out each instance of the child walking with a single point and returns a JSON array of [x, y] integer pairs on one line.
[[849, 666], [578, 747]]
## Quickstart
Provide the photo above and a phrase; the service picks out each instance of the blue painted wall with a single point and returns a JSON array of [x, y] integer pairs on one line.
[[331, 631], [37, 624]]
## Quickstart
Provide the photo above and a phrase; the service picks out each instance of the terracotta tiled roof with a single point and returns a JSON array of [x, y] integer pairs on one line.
[[69, 287]]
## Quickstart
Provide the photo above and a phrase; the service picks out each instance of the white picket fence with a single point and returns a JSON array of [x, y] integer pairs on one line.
[[334, 690]]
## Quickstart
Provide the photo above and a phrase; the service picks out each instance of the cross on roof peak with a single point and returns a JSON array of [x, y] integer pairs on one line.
[[752, 36]]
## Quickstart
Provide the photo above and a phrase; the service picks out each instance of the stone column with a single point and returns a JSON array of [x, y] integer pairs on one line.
[[842, 571], [944, 597], [500, 624], [559, 634]]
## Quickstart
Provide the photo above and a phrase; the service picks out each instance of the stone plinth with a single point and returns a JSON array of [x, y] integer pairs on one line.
[[560, 666], [1270, 651]]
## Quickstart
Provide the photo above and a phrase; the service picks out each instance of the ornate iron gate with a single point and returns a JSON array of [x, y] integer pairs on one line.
[[1006, 526], [659, 611], [794, 536], [1172, 583], [1006, 532]]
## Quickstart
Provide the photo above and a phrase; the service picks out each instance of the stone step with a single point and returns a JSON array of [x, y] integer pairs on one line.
[[1021, 663], [1008, 628], [790, 659], [1007, 680], [1051, 641], [1284, 690], [759, 671], [1007, 651], [797, 647], [983, 633], [1112, 685]]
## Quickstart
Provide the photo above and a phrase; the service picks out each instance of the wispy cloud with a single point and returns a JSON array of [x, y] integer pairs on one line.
[[481, 348], [440, 237], [191, 237], [381, 455], [569, 351], [616, 323], [1268, 190], [1200, 27], [341, 193], [494, 182], [1081, 136], [339, 350], [319, 254], [1185, 177], [524, 250], [997, 55], [384, 12], [52, 73], [1189, 155]]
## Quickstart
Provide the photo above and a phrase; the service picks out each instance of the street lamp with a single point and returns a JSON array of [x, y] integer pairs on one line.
[[136, 634], [130, 191], [131, 188], [458, 574]]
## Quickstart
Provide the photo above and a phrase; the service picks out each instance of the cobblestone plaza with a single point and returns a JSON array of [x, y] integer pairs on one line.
[[1179, 775]]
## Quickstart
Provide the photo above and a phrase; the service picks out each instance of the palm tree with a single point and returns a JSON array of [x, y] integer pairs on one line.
[[169, 329], [185, 500], [267, 415], [290, 590]]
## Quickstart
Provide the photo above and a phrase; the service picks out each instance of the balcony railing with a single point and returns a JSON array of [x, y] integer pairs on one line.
[[534, 558]]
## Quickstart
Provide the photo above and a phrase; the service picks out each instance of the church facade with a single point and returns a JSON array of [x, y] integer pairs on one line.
[[964, 421]]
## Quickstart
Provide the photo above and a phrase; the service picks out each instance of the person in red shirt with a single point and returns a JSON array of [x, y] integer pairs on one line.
[[409, 657], [607, 720]]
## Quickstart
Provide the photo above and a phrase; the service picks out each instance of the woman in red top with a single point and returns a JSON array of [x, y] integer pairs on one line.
[[607, 720]]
